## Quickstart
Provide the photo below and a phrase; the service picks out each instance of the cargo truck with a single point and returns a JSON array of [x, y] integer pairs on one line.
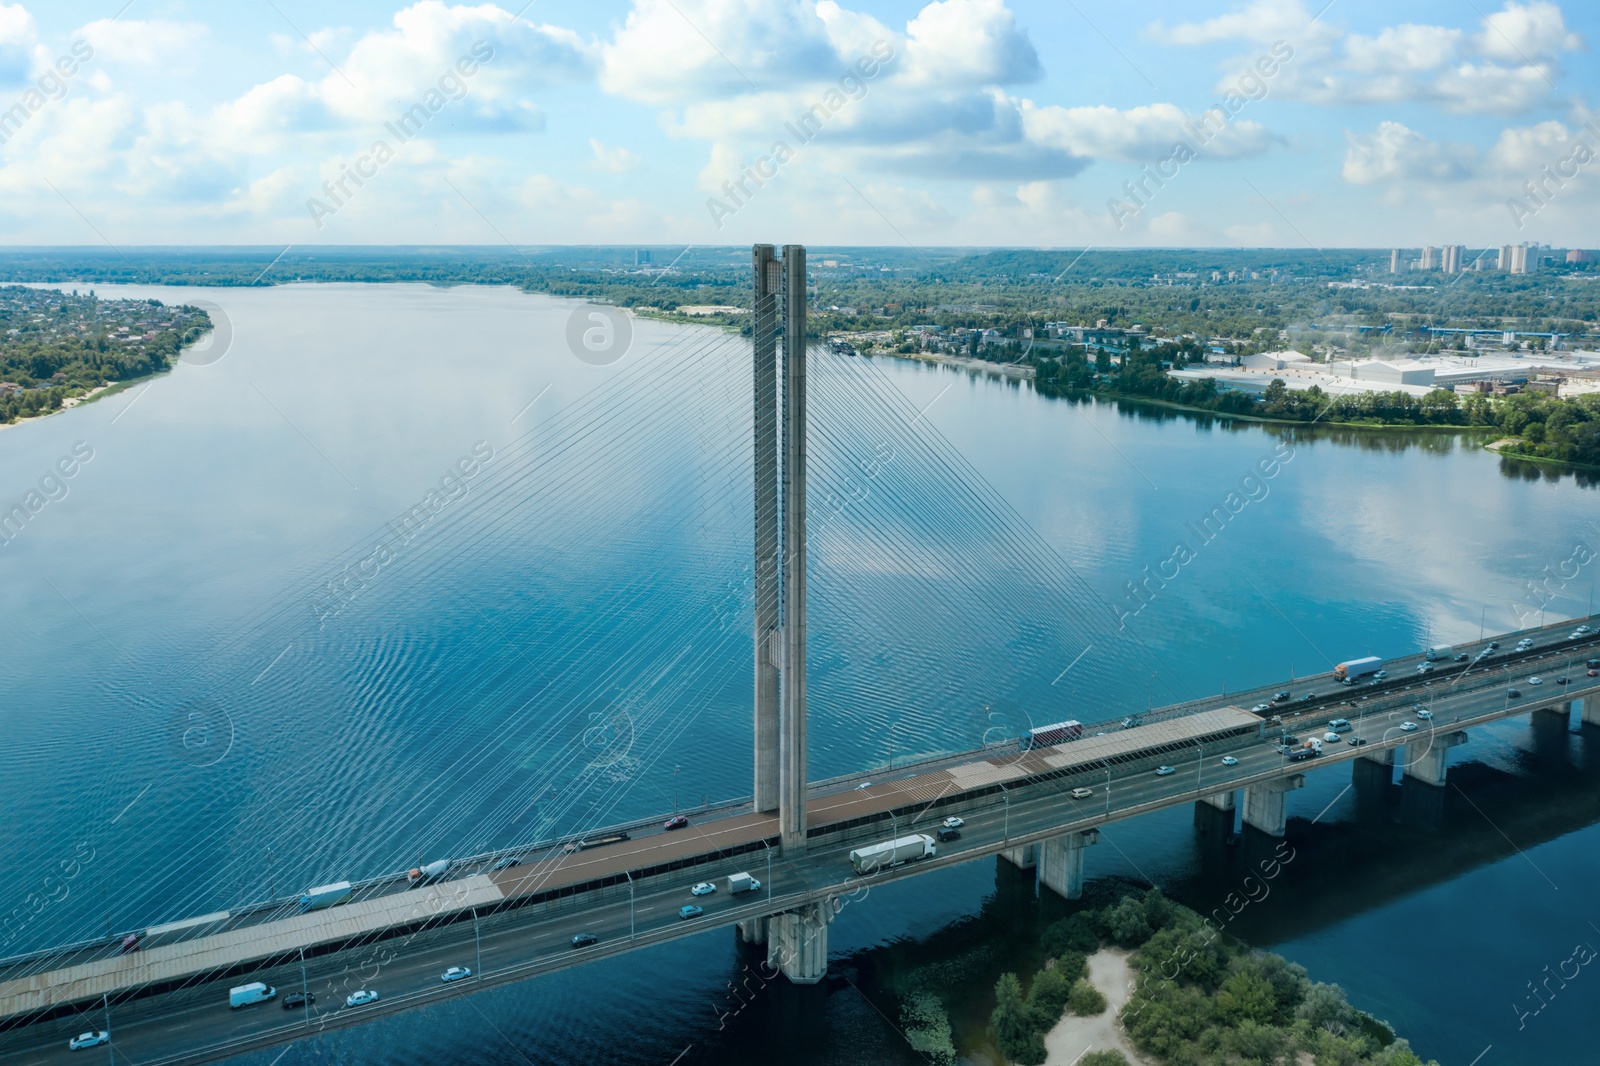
[[1350, 671], [428, 872], [326, 896], [1059, 733], [1439, 651], [579, 845], [255, 992], [892, 853], [742, 882]]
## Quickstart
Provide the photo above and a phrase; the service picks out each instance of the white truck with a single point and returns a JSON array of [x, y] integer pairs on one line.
[[892, 853], [742, 882], [326, 896], [1351, 670], [1439, 651], [254, 992]]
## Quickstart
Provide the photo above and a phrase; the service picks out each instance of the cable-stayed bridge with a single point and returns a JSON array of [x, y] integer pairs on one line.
[[516, 709]]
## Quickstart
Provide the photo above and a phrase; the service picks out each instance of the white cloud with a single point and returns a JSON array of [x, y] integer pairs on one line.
[[1407, 49], [18, 36], [967, 43], [1527, 32], [144, 42], [1395, 152], [612, 160]]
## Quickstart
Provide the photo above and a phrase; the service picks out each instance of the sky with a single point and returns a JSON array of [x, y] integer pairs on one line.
[[1039, 123]]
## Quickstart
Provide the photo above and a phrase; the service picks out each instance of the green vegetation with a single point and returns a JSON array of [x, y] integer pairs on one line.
[[55, 345], [1567, 430], [1201, 999]]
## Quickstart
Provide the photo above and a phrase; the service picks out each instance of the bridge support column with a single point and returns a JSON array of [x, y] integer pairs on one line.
[[768, 569], [1591, 709], [1428, 764], [752, 931], [1061, 862], [1266, 806], [797, 943], [1372, 769], [1222, 801], [1023, 857], [792, 673]]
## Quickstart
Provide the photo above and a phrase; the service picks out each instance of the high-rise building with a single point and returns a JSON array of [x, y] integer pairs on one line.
[[642, 257], [1453, 254], [1519, 259], [1504, 262], [1579, 255], [1394, 261], [1430, 259]]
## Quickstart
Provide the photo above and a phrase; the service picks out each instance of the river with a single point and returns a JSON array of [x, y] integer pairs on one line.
[[189, 700]]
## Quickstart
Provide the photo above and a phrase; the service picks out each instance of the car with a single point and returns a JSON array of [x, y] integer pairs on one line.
[[83, 1040], [1381, 675], [1582, 631], [1290, 738], [947, 834], [677, 821], [506, 864], [1330, 737], [1563, 681], [1513, 693], [1593, 664], [1082, 793], [361, 998], [1493, 644], [1424, 713], [1424, 668], [1340, 725], [1535, 681], [704, 888], [953, 822], [689, 910], [1283, 749], [1308, 697], [1276, 719], [1356, 742], [585, 940], [864, 784], [1163, 771], [456, 973], [297, 1000], [1258, 708], [1229, 760], [1462, 657], [1594, 673], [1280, 697], [1408, 727]]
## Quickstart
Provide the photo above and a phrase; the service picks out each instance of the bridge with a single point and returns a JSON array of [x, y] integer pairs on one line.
[[513, 914]]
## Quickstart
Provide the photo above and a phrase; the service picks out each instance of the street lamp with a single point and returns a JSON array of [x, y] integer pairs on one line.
[[632, 924], [477, 941], [675, 770]]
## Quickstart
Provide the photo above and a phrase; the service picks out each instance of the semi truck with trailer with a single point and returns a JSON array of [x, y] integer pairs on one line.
[[429, 872], [1354, 669], [326, 896], [1059, 733], [892, 853]]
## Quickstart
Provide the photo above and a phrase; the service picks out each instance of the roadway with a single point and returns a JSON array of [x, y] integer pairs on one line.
[[194, 1023]]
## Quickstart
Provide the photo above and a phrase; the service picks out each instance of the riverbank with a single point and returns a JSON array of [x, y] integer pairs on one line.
[[1111, 973]]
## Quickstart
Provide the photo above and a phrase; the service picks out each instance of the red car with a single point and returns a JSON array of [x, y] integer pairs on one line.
[[130, 943], [677, 821]]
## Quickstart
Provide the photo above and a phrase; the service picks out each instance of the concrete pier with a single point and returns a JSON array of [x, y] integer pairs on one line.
[[1590, 706], [1266, 806], [752, 931], [1372, 770], [1060, 866], [797, 943], [1222, 801], [1023, 857], [1427, 763]]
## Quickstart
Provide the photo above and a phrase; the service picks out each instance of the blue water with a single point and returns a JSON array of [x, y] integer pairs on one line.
[[565, 643]]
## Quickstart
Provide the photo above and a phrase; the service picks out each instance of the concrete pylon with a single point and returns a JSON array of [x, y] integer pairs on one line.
[[1222, 801], [1266, 805], [1591, 709], [1061, 862], [768, 274], [792, 731], [1023, 856], [752, 930], [797, 942], [1428, 767]]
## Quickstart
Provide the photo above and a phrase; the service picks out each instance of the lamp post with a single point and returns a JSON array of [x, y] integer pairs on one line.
[[305, 987], [632, 923], [675, 770], [477, 942], [111, 1055]]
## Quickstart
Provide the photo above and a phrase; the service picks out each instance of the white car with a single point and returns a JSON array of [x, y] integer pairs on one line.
[[1163, 771], [456, 973], [1408, 727], [953, 822], [1534, 681], [1229, 760], [1258, 708], [1330, 737], [704, 888], [1425, 714], [361, 998], [83, 1040], [1082, 793]]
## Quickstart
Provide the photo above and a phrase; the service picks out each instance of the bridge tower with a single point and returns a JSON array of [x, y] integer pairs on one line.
[[779, 305]]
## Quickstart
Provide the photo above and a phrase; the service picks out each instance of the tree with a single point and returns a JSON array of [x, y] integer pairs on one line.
[[1011, 1023], [1246, 997], [1127, 924], [1108, 1057], [1086, 1000], [1050, 994], [1072, 934]]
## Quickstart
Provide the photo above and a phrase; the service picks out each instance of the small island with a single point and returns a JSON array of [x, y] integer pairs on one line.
[[58, 347]]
